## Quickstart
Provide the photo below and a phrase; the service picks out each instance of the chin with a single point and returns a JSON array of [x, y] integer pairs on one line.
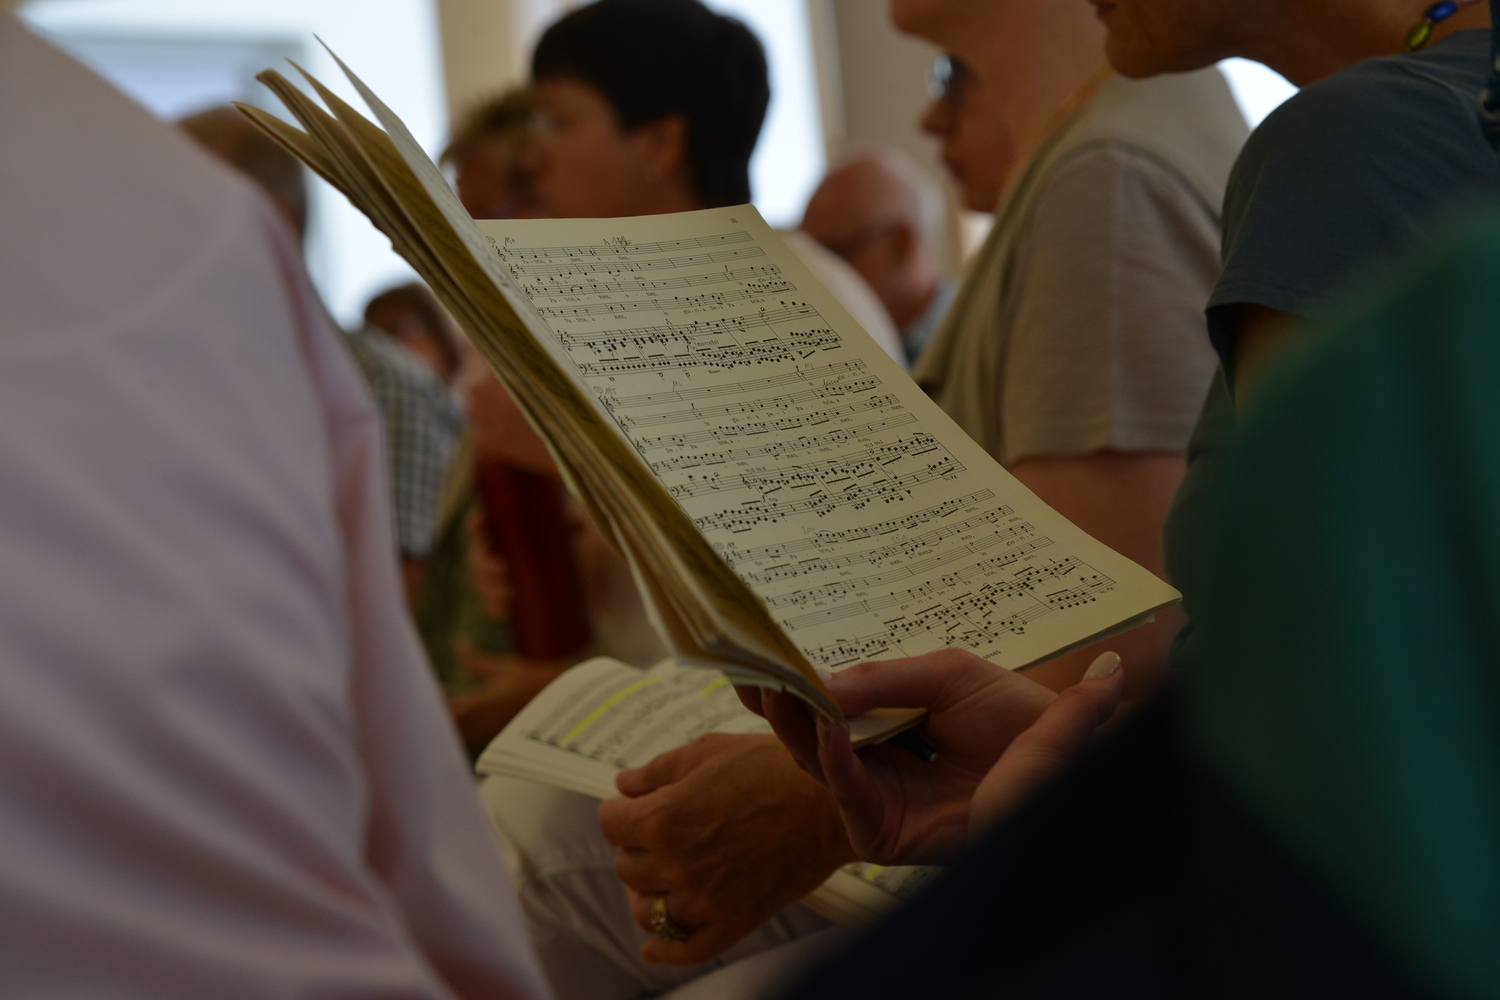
[[916, 17], [1138, 62]]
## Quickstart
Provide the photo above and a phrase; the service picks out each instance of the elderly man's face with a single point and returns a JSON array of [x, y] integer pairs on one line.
[[1147, 37]]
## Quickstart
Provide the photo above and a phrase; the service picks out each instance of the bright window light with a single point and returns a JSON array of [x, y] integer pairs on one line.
[[789, 161], [1259, 89], [180, 56]]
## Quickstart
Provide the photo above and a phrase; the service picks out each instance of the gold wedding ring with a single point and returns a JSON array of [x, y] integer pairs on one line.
[[664, 926]]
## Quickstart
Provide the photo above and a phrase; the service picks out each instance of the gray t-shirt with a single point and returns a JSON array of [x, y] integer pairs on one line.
[[1105, 347], [1351, 172], [1079, 325]]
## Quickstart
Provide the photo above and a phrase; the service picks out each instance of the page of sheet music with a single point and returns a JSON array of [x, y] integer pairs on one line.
[[612, 714], [871, 526]]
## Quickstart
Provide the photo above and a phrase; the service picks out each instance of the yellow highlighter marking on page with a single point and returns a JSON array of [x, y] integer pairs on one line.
[[712, 686], [608, 704]]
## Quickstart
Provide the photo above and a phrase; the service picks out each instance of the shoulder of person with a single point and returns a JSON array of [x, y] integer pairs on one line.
[[1378, 107], [1089, 177], [1189, 121]]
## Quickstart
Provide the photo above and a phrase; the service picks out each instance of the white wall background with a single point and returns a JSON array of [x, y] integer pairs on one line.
[[391, 44], [177, 56], [790, 160], [1259, 90]]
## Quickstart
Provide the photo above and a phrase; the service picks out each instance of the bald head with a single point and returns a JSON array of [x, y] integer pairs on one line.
[[882, 214], [229, 135]]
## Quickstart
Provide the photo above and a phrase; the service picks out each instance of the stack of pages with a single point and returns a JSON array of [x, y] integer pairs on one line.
[[788, 500]]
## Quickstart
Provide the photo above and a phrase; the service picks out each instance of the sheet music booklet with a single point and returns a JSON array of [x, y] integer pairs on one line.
[[788, 500]]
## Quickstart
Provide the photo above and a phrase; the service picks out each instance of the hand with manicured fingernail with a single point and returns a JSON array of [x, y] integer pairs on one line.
[[997, 734]]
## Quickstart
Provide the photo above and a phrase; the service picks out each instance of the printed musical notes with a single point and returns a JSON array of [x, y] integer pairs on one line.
[[796, 448], [781, 490]]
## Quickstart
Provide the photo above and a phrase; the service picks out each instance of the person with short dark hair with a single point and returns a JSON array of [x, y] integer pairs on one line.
[[674, 94]]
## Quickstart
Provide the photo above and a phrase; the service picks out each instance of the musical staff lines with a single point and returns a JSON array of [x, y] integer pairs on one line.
[[765, 279], [622, 246], [861, 533], [728, 434], [720, 343], [587, 263], [843, 369], [828, 486], [906, 547], [782, 449], [824, 539], [715, 300], [976, 618], [843, 588], [833, 475], [756, 407], [763, 317]]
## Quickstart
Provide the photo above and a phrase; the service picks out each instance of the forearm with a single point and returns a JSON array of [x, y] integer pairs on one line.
[[1121, 499]]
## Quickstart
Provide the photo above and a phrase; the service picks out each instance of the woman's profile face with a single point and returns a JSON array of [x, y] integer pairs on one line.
[[1147, 37], [583, 164], [977, 145]]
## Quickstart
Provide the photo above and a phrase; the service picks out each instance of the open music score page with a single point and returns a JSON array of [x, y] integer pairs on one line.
[[866, 520], [787, 498], [603, 716]]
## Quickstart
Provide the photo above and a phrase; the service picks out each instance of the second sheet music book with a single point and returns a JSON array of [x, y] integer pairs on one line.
[[789, 501]]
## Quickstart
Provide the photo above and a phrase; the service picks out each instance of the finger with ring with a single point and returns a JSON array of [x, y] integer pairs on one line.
[[664, 926]]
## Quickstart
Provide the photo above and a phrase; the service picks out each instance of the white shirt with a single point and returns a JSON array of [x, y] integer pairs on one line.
[[851, 290], [225, 769]]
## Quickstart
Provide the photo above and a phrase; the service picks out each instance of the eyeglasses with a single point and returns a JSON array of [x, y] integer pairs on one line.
[[946, 77]]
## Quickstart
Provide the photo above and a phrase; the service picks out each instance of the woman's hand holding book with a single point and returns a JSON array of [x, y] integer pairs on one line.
[[998, 735]]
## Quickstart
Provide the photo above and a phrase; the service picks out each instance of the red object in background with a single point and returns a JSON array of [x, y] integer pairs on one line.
[[526, 525]]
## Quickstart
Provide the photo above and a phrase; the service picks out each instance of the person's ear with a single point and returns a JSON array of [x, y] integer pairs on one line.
[[664, 147]]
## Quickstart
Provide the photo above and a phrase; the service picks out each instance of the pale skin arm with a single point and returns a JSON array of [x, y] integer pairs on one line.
[[1120, 499]]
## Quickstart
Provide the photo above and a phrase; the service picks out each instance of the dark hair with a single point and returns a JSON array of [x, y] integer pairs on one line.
[[652, 59]]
